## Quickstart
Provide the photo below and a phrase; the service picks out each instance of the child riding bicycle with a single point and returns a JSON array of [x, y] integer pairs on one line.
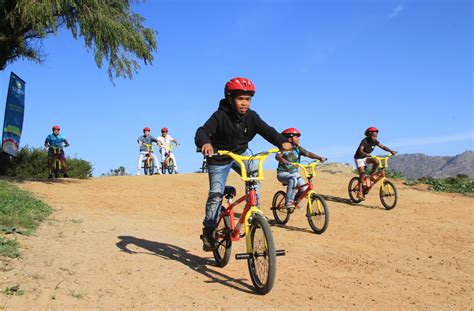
[[230, 128], [52, 141], [363, 157], [146, 139], [286, 172], [164, 141]]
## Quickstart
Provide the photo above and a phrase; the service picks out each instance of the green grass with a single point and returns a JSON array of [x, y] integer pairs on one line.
[[9, 248], [19, 214]]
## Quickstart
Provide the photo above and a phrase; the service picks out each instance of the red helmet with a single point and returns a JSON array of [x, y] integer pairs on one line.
[[146, 129], [164, 129], [239, 85], [371, 129], [290, 132], [56, 128]]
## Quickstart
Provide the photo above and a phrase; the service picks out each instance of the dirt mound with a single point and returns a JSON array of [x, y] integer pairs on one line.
[[133, 243]]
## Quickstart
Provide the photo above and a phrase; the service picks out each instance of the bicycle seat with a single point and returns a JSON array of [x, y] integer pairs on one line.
[[229, 192]]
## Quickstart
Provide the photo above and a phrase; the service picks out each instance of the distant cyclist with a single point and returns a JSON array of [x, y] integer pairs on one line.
[[286, 172], [165, 141], [57, 141], [146, 139], [363, 156]]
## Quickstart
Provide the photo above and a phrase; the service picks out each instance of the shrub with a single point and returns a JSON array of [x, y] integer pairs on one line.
[[33, 163]]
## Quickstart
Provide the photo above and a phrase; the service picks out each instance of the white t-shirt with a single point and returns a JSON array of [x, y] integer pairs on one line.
[[166, 141]]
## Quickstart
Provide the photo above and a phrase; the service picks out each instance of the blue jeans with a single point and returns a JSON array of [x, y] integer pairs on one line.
[[217, 179], [293, 180]]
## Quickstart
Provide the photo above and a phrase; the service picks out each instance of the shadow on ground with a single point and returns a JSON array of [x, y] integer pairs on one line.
[[195, 263]]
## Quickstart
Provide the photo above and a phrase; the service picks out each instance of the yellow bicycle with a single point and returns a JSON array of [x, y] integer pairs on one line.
[[149, 164], [168, 164], [57, 166], [387, 191], [317, 210], [260, 246]]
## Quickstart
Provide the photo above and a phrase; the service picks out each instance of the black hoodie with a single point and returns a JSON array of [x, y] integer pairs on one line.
[[227, 130]]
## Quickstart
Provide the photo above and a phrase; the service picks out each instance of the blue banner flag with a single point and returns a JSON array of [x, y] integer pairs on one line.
[[14, 110]]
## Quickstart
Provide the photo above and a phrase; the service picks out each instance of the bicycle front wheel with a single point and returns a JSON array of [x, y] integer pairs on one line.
[[151, 167], [56, 168], [223, 241], [280, 212], [262, 262], [353, 188], [170, 166], [388, 194], [318, 216], [163, 168]]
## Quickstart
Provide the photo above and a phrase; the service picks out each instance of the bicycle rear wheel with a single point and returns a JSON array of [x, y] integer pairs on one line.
[[262, 262], [353, 188], [223, 241], [388, 194], [170, 166], [280, 212], [318, 218]]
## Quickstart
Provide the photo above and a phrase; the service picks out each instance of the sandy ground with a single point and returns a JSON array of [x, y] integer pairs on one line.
[[133, 243]]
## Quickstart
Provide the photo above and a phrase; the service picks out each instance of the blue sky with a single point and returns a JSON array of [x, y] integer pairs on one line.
[[329, 68]]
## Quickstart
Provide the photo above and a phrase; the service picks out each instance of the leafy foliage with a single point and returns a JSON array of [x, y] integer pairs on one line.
[[109, 28], [116, 172], [33, 163]]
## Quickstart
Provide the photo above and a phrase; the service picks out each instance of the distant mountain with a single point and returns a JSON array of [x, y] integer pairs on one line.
[[420, 165]]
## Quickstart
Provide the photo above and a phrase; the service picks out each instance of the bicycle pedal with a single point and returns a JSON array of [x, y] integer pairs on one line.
[[280, 252], [243, 256]]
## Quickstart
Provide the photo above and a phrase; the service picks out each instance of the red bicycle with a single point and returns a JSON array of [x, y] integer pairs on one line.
[[317, 210], [261, 253]]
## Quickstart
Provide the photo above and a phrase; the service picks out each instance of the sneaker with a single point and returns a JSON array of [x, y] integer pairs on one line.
[[207, 237], [289, 205], [138, 173], [65, 175], [50, 176], [360, 196]]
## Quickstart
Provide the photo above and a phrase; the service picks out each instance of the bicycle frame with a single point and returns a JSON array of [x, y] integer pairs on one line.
[[383, 163], [309, 172], [169, 151], [250, 196], [56, 153], [148, 155]]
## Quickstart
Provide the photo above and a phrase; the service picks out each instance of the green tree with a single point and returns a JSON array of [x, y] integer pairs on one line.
[[109, 27]]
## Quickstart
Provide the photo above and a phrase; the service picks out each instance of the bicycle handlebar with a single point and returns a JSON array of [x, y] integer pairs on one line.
[[261, 157], [383, 161], [307, 168]]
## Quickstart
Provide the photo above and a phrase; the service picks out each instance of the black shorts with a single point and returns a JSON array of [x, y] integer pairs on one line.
[[51, 153]]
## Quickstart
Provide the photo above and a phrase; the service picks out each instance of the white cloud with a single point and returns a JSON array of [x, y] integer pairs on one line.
[[396, 11]]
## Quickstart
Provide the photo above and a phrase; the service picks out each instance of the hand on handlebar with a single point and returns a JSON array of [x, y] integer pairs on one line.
[[207, 150]]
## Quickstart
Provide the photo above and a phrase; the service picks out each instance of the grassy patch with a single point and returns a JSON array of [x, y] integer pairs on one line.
[[9, 248], [19, 214]]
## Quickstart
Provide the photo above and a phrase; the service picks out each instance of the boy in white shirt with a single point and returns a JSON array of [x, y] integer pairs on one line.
[[164, 141]]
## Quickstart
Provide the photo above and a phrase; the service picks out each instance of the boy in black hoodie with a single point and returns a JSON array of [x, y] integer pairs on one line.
[[231, 128]]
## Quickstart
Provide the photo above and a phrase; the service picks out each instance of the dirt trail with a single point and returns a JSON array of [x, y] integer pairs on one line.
[[132, 242]]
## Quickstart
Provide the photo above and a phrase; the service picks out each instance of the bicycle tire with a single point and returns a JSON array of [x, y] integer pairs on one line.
[[163, 168], [223, 241], [56, 168], [263, 255], [170, 166], [353, 188], [280, 212], [388, 190], [318, 221], [151, 167]]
